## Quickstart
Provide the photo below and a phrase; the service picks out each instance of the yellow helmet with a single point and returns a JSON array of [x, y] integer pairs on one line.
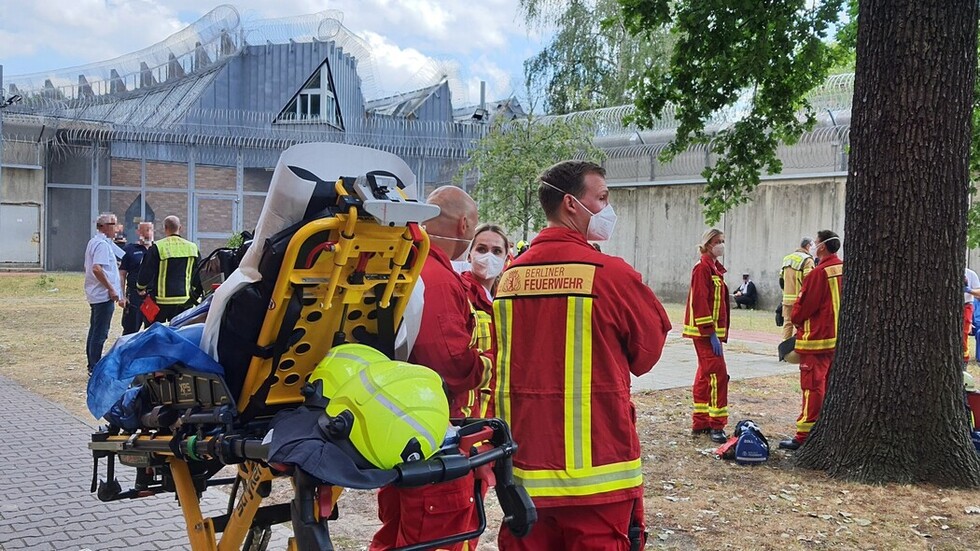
[[342, 363], [395, 412]]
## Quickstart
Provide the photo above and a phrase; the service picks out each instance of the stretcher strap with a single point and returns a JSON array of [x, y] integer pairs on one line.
[[386, 325], [293, 310]]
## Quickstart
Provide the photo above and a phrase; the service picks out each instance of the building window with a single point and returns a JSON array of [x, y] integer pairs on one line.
[[316, 102]]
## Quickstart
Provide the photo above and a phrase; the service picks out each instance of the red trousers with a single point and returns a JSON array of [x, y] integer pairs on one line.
[[414, 515], [710, 388], [814, 368], [967, 325], [581, 528]]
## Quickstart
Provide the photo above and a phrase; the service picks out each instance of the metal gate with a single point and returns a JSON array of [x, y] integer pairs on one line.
[[20, 226]]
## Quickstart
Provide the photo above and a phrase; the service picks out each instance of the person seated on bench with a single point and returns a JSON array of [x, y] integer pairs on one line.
[[746, 294]]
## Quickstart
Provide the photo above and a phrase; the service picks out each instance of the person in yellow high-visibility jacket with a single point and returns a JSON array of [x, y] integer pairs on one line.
[[169, 273], [796, 266], [816, 313]]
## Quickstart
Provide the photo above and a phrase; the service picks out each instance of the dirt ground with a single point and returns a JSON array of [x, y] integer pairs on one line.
[[693, 501]]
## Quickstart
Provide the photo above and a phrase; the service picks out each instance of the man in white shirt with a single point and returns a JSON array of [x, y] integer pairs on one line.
[[102, 289]]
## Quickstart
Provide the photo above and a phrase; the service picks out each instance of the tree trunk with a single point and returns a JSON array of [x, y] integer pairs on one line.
[[894, 410]]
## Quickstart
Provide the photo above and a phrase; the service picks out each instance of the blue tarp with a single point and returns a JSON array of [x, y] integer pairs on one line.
[[157, 348]]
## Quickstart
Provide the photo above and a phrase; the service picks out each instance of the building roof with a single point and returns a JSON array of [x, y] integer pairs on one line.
[[406, 104], [508, 108], [160, 106]]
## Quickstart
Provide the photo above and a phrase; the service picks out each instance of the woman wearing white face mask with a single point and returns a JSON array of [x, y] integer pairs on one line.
[[706, 323], [487, 257]]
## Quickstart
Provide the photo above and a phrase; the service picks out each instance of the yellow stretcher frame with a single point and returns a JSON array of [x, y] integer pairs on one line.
[[327, 288], [360, 263]]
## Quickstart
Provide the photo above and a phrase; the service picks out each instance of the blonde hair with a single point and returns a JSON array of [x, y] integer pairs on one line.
[[495, 229], [706, 238]]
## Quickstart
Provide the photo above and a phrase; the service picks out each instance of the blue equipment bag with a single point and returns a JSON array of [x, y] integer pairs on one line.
[[752, 446]]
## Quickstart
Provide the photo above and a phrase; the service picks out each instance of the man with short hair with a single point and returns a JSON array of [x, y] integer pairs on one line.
[[129, 270], [572, 325], [796, 266], [169, 273], [746, 294], [102, 289], [443, 344], [815, 316]]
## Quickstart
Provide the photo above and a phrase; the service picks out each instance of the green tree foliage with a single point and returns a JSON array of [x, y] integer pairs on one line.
[[973, 216], [845, 41], [509, 159], [769, 53], [591, 60]]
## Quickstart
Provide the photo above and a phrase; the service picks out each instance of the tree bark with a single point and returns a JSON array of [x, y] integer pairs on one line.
[[894, 410]]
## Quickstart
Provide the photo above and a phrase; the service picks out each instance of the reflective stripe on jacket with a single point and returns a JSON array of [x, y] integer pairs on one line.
[[478, 402], [571, 325], [168, 271], [818, 307], [796, 266], [707, 309]]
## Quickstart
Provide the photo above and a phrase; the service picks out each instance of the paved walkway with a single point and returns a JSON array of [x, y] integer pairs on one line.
[[45, 466], [747, 355], [45, 473]]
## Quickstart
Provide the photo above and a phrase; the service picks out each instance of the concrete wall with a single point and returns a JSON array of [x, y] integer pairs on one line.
[[22, 185], [659, 227]]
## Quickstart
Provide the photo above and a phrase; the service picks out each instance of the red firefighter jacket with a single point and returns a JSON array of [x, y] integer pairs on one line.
[[818, 307], [446, 331], [477, 293], [478, 403], [708, 308], [572, 324]]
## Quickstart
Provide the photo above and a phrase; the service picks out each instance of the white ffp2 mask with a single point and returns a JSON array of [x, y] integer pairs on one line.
[[487, 265], [602, 223]]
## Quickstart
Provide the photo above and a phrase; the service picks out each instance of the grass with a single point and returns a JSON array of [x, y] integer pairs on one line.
[[44, 323], [756, 321], [692, 500]]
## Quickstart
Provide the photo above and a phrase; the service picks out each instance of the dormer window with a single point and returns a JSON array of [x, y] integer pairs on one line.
[[315, 103]]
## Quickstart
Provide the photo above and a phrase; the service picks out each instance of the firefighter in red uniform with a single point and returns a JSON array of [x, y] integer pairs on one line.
[[815, 316], [706, 324], [488, 254], [411, 515], [572, 324]]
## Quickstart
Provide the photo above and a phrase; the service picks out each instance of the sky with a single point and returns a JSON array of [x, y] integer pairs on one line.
[[410, 40]]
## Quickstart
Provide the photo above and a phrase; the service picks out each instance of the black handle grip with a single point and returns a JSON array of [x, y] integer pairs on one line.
[[433, 471]]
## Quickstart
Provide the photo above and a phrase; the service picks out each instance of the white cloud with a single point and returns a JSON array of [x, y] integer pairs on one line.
[[438, 27], [498, 81], [398, 69], [83, 31]]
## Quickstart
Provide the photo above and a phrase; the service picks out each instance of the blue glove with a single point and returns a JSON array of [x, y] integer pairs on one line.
[[715, 344], [966, 289]]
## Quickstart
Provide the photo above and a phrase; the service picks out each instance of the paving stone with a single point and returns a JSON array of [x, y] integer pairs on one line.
[[47, 504]]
